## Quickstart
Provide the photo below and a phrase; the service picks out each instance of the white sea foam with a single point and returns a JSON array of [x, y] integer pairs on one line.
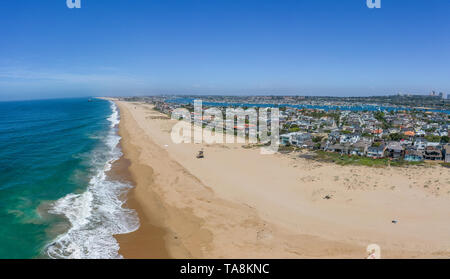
[[114, 118], [98, 213]]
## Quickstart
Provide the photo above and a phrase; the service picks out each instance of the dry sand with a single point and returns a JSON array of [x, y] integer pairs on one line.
[[237, 203]]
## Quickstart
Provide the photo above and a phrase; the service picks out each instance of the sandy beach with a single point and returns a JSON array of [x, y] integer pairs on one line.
[[237, 203]]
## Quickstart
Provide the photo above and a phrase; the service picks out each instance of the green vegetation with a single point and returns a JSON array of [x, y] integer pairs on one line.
[[396, 137], [376, 144], [337, 118], [316, 113], [379, 115], [433, 138], [359, 160], [317, 139]]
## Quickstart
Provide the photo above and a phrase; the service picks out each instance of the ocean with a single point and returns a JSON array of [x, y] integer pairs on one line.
[[56, 200]]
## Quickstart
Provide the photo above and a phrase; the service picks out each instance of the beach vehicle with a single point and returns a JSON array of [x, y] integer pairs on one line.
[[200, 155]]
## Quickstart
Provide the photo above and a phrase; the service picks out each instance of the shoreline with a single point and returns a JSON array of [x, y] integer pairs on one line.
[[273, 209], [148, 241], [155, 238]]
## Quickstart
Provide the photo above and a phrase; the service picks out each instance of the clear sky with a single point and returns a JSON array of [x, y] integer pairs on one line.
[[302, 47]]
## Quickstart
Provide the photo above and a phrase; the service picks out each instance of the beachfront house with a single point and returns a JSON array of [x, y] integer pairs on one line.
[[360, 148], [309, 144], [394, 150], [432, 153], [376, 152], [413, 155], [338, 148], [324, 145], [447, 153], [295, 138], [285, 139], [299, 138]]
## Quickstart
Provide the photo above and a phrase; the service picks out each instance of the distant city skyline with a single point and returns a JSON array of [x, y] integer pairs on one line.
[[265, 47]]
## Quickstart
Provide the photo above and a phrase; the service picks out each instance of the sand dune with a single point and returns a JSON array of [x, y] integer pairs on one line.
[[237, 203]]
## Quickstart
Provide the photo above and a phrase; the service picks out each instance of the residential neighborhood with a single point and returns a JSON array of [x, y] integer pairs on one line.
[[410, 136], [406, 134]]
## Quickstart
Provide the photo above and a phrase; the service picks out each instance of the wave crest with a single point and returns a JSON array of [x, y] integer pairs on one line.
[[98, 213]]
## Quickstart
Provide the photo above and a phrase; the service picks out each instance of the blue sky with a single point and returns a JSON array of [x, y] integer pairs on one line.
[[284, 47]]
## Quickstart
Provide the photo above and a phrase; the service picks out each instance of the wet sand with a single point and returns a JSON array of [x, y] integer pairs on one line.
[[148, 241]]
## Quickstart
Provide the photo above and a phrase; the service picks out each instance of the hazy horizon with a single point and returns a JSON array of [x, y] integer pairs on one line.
[[199, 95]]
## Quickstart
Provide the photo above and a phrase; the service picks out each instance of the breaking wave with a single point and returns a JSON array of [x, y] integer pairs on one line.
[[98, 213]]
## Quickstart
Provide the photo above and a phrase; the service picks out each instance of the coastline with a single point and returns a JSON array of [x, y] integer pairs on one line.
[[85, 236], [148, 241], [165, 231], [194, 211]]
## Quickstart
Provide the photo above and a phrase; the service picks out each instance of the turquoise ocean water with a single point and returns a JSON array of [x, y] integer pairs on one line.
[[55, 197]]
